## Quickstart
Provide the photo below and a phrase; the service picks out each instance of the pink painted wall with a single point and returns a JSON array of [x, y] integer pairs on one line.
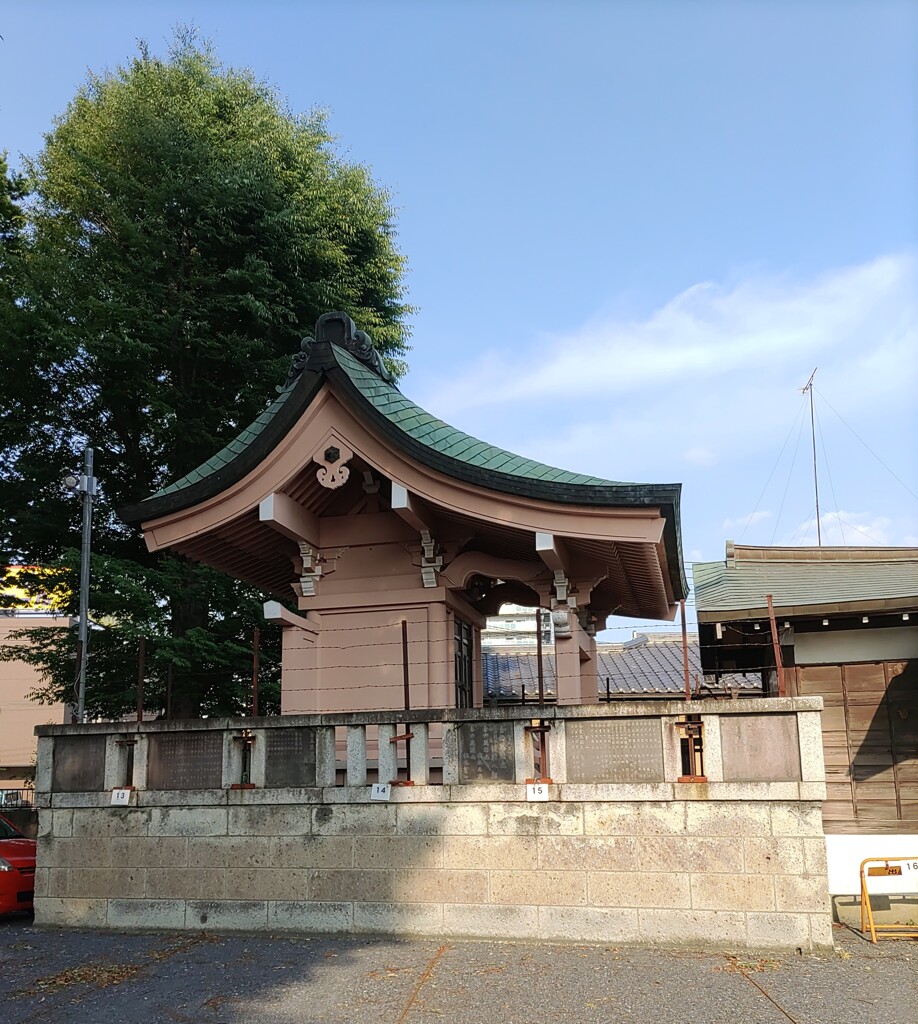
[[347, 654]]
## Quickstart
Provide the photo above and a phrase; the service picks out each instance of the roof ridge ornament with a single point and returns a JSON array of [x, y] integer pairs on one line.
[[338, 329], [297, 365]]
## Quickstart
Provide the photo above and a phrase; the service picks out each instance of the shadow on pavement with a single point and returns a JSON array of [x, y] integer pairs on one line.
[[86, 977]]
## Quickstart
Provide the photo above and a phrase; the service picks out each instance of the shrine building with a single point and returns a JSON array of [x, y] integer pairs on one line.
[[394, 535]]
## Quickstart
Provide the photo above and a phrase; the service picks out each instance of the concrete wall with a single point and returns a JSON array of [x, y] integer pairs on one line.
[[739, 863], [745, 872]]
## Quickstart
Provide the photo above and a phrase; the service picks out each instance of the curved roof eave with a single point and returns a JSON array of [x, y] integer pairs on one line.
[[328, 363]]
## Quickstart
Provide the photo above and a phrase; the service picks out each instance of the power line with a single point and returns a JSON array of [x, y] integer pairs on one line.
[[800, 526], [867, 446], [772, 473], [787, 485], [866, 533], [809, 387], [825, 459]]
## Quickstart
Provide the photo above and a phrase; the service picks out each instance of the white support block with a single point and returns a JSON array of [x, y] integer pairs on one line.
[[116, 758], [141, 761], [258, 760], [326, 774], [672, 749], [812, 757], [388, 754], [356, 755], [524, 762], [289, 518], [552, 552], [450, 754], [557, 751], [712, 752], [232, 759], [420, 754], [44, 764]]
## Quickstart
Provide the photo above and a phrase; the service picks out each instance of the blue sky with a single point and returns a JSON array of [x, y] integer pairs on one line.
[[633, 229]]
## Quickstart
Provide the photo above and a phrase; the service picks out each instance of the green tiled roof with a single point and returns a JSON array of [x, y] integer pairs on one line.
[[411, 419], [422, 437], [441, 437], [807, 577], [229, 452]]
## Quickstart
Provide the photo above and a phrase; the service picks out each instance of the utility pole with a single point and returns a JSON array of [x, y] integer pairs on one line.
[[85, 485], [809, 387]]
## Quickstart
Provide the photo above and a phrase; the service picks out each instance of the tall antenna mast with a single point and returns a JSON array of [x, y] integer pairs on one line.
[[809, 387]]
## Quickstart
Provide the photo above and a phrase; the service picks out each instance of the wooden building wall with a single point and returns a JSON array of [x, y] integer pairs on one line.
[[870, 738]]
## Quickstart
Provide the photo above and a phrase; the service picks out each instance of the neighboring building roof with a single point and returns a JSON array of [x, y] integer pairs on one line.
[[342, 357], [805, 580], [649, 664]]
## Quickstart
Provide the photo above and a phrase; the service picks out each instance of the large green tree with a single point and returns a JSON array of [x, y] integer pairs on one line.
[[177, 234]]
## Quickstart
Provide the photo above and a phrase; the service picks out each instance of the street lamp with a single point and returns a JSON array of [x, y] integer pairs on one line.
[[85, 485]]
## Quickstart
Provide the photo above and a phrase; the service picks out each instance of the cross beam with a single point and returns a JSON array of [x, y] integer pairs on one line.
[[553, 553], [288, 517]]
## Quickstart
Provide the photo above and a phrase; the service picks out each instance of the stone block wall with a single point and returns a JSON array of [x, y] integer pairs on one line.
[[623, 845], [654, 866]]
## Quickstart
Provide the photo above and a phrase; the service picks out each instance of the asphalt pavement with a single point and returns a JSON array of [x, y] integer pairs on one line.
[[91, 977]]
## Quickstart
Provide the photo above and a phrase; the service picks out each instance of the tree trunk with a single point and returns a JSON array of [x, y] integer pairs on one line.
[[188, 611]]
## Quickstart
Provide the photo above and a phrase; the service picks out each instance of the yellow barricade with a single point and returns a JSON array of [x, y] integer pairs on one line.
[[887, 867]]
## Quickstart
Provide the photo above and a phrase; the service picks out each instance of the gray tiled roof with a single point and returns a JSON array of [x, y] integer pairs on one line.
[[635, 668]]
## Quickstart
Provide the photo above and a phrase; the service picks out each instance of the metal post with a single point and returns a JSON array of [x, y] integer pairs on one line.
[[779, 665], [256, 642], [540, 668], [809, 387], [141, 656], [87, 488], [685, 664], [407, 682]]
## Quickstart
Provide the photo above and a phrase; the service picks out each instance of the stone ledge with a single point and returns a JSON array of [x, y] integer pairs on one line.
[[514, 713], [504, 793], [695, 928]]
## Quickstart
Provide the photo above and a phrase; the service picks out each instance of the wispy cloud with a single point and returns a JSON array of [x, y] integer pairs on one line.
[[700, 456], [857, 529], [706, 388], [745, 521], [864, 314], [711, 377]]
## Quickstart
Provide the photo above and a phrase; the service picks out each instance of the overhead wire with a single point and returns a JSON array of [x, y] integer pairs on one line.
[[859, 529], [803, 525], [773, 468], [891, 472], [789, 477], [825, 459]]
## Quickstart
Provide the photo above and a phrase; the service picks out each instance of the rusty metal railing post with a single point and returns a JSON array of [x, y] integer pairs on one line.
[[685, 664], [256, 651], [779, 665], [141, 657]]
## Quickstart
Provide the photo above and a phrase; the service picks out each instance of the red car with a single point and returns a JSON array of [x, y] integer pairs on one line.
[[17, 869]]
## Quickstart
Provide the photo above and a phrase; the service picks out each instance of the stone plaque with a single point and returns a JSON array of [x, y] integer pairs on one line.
[[614, 750], [290, 757], [185, 760], [760, 748], [79, 764], [486, 752]]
